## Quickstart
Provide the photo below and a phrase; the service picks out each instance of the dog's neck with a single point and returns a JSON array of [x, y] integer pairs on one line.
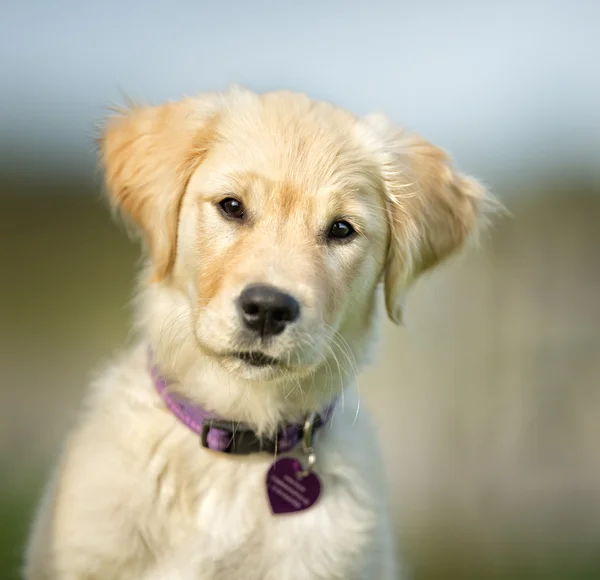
[[202, 380], [205, 382]]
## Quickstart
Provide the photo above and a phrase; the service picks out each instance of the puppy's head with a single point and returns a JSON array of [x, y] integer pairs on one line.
[[273, 219]]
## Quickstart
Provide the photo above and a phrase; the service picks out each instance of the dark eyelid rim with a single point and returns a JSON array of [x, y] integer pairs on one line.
[[336, 241], [218, 201]]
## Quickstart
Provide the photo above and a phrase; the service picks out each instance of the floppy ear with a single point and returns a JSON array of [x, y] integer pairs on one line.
[[149, 154], [432, 208]]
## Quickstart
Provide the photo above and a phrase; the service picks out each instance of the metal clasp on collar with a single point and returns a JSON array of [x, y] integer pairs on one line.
[[308, 434], [241, 441]]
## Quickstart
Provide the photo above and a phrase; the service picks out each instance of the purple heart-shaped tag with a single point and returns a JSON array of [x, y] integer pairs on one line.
[[289, 490]]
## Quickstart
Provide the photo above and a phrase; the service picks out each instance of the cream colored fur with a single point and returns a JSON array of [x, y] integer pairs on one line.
[[134, 494]]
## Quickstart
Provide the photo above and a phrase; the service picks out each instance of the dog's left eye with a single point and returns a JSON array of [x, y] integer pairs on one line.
[[232, 208], [341, 230]]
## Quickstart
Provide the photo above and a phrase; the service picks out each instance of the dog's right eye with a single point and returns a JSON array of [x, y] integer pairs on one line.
[[232, 208]]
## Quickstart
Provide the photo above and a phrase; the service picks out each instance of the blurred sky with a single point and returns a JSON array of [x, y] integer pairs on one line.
[[511, 88]]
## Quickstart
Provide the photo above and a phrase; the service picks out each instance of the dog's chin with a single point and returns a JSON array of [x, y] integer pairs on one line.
[[243, 369], [256, 365]]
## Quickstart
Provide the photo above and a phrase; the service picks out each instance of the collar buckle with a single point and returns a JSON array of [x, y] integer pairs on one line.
[[223, 436]]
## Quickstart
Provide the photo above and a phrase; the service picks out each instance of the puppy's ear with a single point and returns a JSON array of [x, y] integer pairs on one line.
[[432, 208], [149, 154]]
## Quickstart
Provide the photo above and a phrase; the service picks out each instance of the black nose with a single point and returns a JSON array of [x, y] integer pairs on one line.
[[266, 309]]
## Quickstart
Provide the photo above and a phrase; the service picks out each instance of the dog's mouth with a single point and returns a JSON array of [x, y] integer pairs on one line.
[[256, 359]]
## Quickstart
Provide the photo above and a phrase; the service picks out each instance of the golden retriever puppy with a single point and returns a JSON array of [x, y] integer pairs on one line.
[[227, 444]]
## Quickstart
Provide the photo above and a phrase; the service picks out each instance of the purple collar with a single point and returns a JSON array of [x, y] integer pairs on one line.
[[231, 437]]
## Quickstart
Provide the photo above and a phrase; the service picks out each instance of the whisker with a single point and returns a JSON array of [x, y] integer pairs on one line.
[[342, 344]]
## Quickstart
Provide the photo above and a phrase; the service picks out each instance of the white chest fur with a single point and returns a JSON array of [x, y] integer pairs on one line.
[[223, 524]]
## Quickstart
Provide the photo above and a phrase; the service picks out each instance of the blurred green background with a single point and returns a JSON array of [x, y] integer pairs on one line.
[[488, 401]]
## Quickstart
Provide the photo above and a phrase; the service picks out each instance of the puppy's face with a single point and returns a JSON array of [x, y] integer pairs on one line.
[[282, 240], [277, 218]]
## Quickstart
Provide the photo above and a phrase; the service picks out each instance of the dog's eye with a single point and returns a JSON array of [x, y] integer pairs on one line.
[[232, 208], [341, 230]]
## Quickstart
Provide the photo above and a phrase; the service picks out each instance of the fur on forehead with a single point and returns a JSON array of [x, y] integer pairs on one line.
[[293, 139]]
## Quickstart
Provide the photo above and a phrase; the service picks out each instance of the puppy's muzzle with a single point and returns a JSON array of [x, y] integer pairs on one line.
[[266, 310]]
